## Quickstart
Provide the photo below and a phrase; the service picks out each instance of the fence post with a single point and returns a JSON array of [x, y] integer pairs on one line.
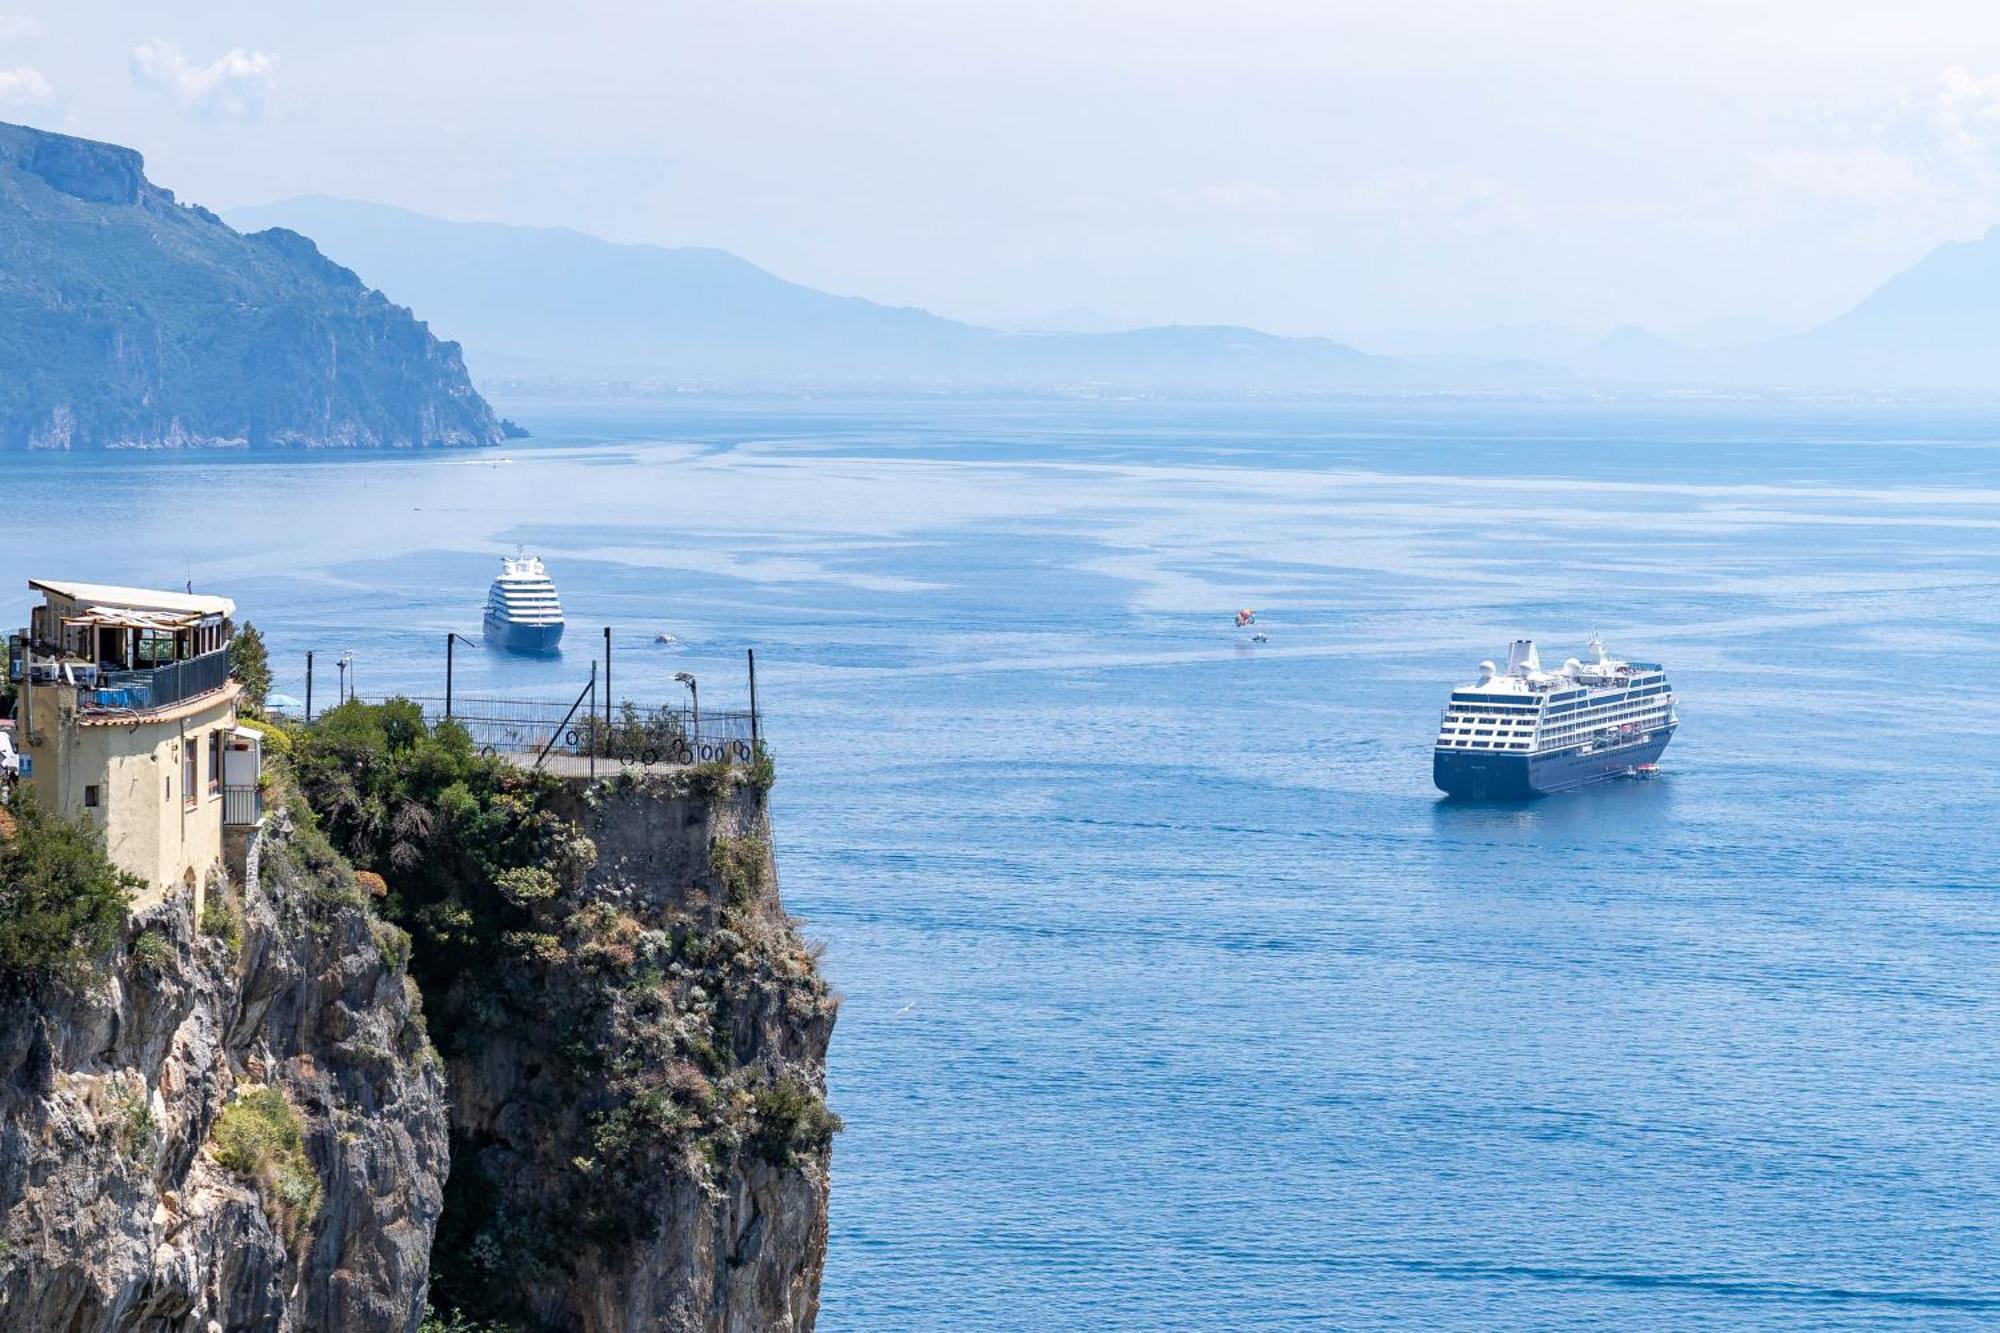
[[587, 694], [607, 703], [607, 682], [309, 687], [751, 653]]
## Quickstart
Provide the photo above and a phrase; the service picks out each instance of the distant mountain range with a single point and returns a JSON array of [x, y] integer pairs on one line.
[[531, 302], [1934, 325], [130, 320], [534, 303]]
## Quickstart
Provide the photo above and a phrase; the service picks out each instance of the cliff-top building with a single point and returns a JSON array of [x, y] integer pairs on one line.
[[127, 716]]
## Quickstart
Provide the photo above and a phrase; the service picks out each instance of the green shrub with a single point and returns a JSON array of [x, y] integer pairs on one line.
[[151, 951], [465, 841], [524, 886], [392, 943], [738, 864], [258, 1137], [277, 739], [711, 781], [220, 920], [716, 1056], [138, 1132], [763, 771], [251, 666], [647, 1121], [62, 904], [634, 733], [456, 1322], [537, 947], [792, 1119]]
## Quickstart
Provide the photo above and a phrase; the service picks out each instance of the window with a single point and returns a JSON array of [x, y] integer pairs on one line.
[[90, 797], [215, 760], [189, 777]]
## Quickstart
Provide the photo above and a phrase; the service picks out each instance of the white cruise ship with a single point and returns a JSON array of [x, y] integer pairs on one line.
[[523, 613], [1529, 732]]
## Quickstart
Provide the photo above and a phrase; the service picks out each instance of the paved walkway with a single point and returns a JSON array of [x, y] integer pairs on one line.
[[580, 766]]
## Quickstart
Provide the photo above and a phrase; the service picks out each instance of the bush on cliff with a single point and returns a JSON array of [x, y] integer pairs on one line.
[[793, 1120], [259, 1138], [251, 665], [459, 839], [62, 904]]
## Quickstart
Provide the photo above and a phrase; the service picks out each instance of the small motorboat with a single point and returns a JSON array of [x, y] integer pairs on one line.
[[1260, 638], [1645, 772], [664, 637]]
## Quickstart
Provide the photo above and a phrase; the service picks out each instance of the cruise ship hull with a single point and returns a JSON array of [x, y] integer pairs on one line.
[[535, 640], [1480, 775]]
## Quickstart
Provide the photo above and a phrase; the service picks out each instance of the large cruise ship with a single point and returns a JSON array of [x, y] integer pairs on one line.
[[1528, 732], [523, 613]]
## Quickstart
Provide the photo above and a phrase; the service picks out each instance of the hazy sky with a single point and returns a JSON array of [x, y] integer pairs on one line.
[[1352, 169]]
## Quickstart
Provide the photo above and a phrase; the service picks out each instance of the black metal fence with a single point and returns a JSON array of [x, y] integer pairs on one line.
[[633, 736]]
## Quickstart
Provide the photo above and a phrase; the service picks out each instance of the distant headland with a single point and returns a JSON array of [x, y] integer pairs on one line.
[[130, 320]]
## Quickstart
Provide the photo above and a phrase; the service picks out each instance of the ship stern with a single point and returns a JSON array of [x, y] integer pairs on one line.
[[1481, 775]]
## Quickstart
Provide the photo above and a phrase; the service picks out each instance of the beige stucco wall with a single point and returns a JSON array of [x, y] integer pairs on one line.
[[149, 828]]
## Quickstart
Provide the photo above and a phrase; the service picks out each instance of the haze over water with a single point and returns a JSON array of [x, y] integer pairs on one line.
[[1175, 996]]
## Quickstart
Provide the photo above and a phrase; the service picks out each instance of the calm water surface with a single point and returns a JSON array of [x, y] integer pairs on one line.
[[1175, 997]]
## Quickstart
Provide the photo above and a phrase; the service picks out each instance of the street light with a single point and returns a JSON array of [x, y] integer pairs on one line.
[[346, 661], [694, 695], [450, 637]]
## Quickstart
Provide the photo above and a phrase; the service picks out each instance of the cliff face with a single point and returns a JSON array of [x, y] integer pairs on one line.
[[128, 320], [226, 1133], [641, 1140], [243, 1123]]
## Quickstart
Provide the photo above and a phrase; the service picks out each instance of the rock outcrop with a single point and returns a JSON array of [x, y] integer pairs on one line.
[[641, 1139], [128, 320], [242, 1126]]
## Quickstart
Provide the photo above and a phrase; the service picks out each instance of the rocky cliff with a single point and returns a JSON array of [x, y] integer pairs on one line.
[[128, 320], [641, 1139], [240, 1125], [242, 1122]]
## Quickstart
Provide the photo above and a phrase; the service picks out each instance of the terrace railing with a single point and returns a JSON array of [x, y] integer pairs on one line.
[[161, 686], [634, 736], [242, 805]]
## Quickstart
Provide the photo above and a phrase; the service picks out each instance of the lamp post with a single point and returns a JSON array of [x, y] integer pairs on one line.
[[694, 695], [450, 637], [346, 661]]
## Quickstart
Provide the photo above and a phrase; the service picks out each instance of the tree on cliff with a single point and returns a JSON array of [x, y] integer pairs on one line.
[[251, 666], [62, 904]]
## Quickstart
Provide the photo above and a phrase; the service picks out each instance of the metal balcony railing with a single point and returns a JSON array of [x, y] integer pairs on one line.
[[161, 686], [242, 806]]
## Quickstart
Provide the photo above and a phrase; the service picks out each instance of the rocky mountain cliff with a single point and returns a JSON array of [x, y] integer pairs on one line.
[[242, 1122], [128, 320], [641, 1140], [238, 1127]]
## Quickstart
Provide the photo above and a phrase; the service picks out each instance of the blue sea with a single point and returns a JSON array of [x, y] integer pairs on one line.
[[1176, 998]]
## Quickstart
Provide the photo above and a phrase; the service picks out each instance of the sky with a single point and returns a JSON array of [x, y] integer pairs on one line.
[[1400, 176]]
